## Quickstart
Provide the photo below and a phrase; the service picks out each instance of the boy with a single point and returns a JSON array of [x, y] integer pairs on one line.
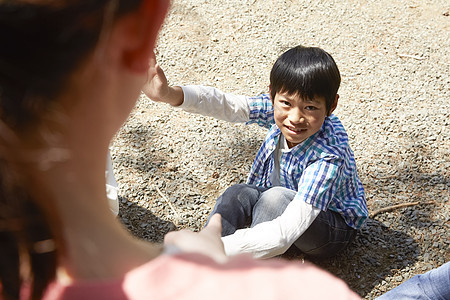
[[303, 188]]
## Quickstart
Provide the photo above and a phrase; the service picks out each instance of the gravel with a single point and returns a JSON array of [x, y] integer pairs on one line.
[[394, 102]]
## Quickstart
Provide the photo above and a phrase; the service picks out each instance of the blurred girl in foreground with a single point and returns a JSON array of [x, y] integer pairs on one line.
[[70, 73]]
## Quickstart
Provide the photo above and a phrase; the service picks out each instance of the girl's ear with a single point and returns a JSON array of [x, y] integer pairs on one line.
[[334, 105], [140, 30]]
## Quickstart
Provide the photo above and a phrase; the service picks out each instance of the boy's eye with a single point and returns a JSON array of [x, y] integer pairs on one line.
[[310, 108], [285, 103]]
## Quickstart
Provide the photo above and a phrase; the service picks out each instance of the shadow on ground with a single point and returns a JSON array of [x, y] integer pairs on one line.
[[376, 252], [142, 223]]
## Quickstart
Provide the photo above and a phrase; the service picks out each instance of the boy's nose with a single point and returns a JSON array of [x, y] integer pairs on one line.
[[296, 116]]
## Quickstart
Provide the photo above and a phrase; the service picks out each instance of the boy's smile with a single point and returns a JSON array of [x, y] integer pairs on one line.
[[299, 118]]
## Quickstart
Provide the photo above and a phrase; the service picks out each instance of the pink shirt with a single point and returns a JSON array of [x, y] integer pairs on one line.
[[192, 276]]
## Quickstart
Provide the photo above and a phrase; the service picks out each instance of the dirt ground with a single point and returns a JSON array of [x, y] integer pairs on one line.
[[394, 103]]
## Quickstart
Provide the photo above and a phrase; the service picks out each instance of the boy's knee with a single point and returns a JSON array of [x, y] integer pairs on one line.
[[277, 194], [276, 199], [239, 191], [242, 194], [236, 188]]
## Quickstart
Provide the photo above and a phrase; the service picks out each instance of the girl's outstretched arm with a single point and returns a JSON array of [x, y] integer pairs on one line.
[[206, 242]]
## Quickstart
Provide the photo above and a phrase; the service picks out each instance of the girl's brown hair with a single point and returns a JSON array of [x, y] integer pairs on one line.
[[43, 42]]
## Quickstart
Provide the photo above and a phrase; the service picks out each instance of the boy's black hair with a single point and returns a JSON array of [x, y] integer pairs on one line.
[[308, 72]]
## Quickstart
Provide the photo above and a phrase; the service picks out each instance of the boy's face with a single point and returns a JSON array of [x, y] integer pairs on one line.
[[298, 118]]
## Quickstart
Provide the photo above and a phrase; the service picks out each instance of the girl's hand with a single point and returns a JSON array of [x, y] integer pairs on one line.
[[207, 241]]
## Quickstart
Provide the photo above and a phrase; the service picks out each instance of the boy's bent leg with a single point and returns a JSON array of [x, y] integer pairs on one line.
[[326, 236], [235, 206], [271, 204]]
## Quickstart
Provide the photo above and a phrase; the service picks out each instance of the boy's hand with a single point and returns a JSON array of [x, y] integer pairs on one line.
[[206, 242], [157, 88]]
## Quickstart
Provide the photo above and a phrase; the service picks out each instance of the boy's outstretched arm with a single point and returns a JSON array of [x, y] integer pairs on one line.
[[204, 100], [157, 88]]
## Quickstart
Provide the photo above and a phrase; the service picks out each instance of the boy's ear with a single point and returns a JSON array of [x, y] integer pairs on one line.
[[140, 30], [334, 105]]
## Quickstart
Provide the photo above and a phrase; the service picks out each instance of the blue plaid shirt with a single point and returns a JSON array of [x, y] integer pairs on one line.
[[321, 169]]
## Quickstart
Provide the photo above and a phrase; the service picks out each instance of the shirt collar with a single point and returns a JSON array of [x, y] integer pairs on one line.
[[303, 145]]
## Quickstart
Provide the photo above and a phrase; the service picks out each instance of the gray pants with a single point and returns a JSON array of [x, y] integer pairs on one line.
[[245, 205]]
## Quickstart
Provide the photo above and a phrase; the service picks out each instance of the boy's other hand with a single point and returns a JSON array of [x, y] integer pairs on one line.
[[157, 88], [207, 242]]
